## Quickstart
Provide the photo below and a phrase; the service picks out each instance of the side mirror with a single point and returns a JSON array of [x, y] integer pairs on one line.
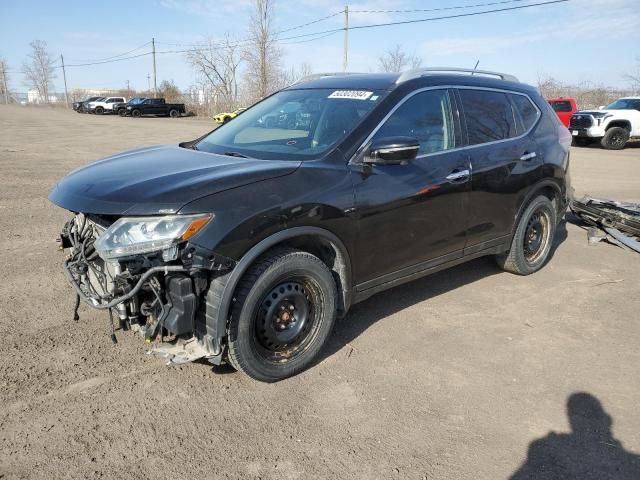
[[392, 151]]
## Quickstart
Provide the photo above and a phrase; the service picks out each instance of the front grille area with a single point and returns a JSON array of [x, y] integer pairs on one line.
[[580, 121]]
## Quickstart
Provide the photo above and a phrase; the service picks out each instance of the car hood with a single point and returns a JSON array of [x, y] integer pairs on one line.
[[156, 180], [603, 112]]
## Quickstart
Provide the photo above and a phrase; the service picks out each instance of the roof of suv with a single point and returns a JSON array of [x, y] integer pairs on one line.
[[390, 81]]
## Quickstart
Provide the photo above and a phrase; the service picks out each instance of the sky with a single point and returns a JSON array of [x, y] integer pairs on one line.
[[595, 41]]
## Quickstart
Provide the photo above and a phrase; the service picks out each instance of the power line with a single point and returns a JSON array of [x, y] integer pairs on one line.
[[107, 61], [247, 40], [439, 9], [430, 19], [115, 56]]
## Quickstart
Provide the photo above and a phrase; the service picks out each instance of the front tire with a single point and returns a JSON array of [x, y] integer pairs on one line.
[[136, 114], [532, 241], [615, 138], [99, 110], [284, 311]]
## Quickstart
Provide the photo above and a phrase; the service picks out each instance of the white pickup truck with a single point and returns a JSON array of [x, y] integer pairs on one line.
[[613, 126], [105, 105]]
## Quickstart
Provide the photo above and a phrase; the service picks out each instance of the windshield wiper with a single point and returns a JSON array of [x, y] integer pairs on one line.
[[235, 154]]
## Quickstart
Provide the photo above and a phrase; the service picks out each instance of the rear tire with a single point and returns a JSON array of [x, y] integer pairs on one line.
[[173, 113], [226, 120], [532, 241], [284, 311], [615, 138]]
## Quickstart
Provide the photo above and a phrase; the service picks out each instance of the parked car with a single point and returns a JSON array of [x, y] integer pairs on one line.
[[104, 105], [613, 126], [80, 106], [121, 107], [156, 106], [564, 108], [224, 117], [245, 244]]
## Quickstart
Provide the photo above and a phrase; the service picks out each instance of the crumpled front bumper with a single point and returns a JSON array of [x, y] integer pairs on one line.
[[154, 297]]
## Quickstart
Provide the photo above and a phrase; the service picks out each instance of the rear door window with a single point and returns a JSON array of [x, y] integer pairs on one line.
[[526, 109], [489, 116], [425, 116]]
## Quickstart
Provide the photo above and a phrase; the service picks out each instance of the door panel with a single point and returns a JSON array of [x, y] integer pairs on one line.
[[504, 160], [411, 213]]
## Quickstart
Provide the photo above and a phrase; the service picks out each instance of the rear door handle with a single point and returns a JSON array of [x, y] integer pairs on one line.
[[459, 175], [528, 156]]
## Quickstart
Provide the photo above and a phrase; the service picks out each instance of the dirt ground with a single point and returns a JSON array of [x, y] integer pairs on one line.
[[461, 375]]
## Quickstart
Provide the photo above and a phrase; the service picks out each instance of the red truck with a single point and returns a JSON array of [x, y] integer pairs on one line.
[[564, 108]]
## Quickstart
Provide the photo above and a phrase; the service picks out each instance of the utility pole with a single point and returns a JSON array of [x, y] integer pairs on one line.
[[128, 88], [155, 80], [64, 76], [149, 81], [4, 82], [345, 61]]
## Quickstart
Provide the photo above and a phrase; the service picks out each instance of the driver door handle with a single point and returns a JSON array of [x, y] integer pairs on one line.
[[459, 175], [528, 156]]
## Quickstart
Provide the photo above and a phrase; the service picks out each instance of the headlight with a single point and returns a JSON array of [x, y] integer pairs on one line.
[[136, 235]]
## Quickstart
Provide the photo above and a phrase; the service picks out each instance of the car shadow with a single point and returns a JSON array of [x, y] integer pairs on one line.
[[363, 315], [589, 451]]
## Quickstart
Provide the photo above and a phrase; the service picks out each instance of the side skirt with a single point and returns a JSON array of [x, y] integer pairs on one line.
[[367, 289]]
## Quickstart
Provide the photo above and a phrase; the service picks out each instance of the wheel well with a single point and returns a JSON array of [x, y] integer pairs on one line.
[[620, 123], [552, 193], [331, 255]]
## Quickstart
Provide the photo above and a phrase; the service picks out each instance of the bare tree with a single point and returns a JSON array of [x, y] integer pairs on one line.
[[397, 60], [169, 90], [39, 69], [262, 54], [292, 75], [634, 78], [4, 81], [217, 63]]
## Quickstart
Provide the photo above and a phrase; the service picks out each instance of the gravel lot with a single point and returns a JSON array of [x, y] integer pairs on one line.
[[460, 375]]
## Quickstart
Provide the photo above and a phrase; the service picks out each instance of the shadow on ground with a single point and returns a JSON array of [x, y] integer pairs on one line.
[[589, 451], [384, 304]]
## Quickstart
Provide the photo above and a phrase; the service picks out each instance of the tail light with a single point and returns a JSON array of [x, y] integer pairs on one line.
[[564, 137]]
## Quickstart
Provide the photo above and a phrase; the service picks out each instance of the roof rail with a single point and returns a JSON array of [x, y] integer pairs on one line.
[[420, 72], [315, 76]]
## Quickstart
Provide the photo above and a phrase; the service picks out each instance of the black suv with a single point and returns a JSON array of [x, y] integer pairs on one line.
[[243, 246]]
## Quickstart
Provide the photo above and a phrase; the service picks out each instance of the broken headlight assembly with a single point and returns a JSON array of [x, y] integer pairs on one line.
[[140, 235]]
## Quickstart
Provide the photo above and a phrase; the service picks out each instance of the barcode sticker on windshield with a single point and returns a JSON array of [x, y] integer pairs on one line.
[[351, 94]]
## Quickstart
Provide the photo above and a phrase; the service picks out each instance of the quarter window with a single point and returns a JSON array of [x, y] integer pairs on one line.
[[528, 112], [426, 116], [488, 115]]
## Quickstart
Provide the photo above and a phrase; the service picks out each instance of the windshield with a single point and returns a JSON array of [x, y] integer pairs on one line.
[[292, 124], [625, 104], [136, 100]]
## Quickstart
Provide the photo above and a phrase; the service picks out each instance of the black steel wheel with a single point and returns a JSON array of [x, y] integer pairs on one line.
[[136, 113], [284, 312], [533, 238], [615, 138], [173, 113]]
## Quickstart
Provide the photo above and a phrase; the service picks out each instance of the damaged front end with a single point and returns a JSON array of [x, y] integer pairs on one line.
[[146, 272]]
